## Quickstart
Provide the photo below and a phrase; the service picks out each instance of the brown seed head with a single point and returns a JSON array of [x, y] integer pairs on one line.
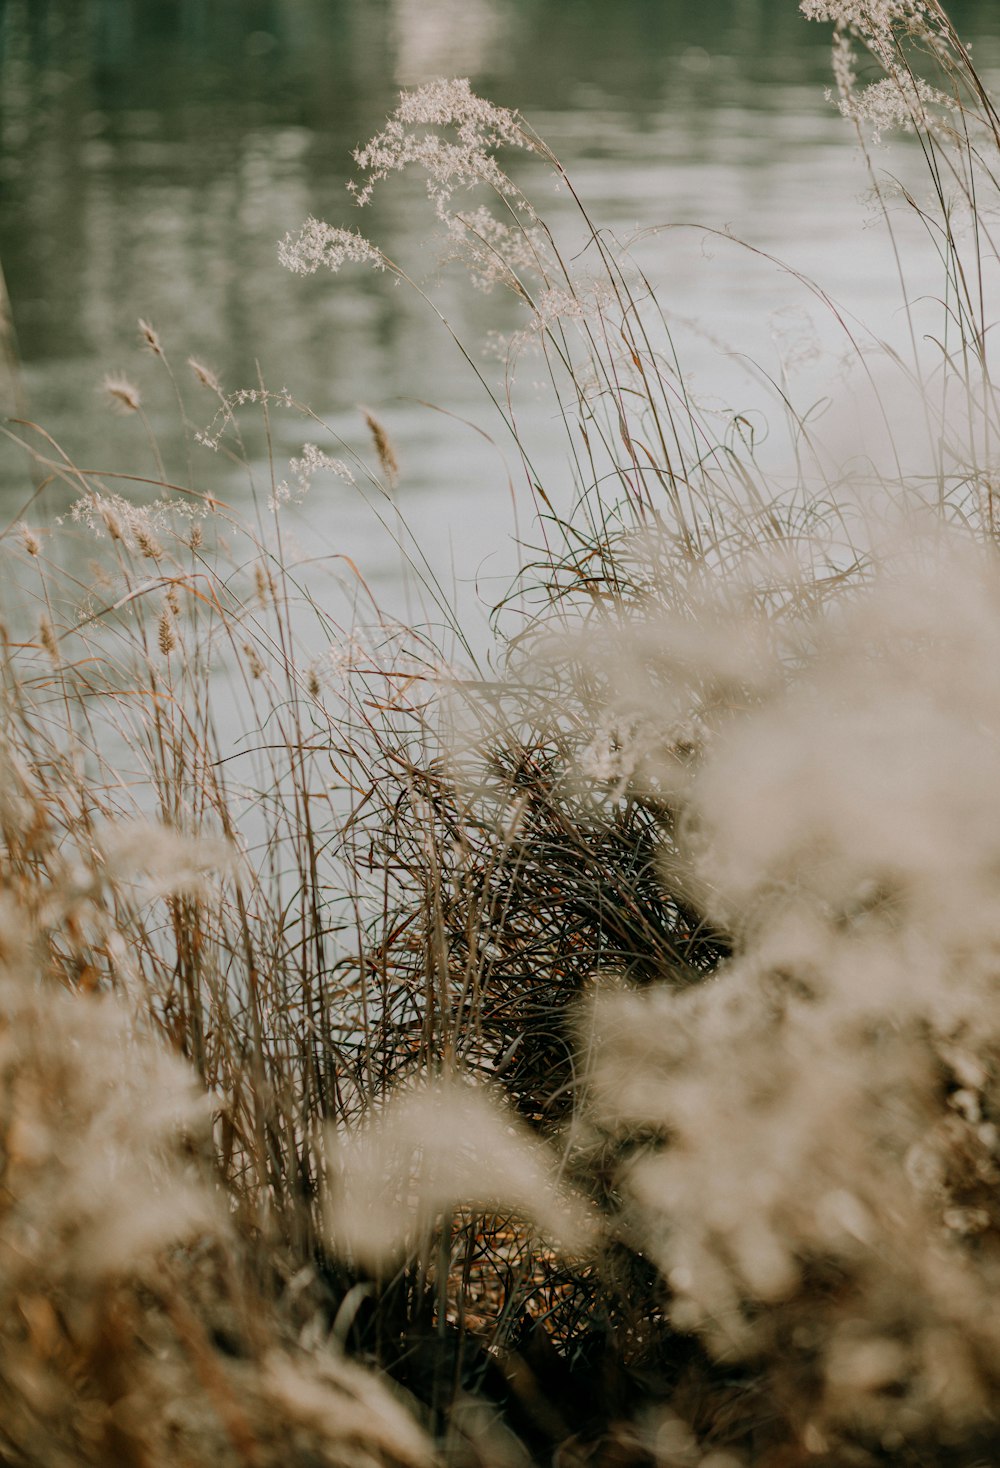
[[264, 582], [383, 448], [123, 394], [254, 662], [205, 375], [112, 523], [166, 634], [148, 544], [47, 637], [150, 337]]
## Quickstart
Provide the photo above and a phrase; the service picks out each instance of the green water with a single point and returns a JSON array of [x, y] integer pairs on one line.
[[152, 152]]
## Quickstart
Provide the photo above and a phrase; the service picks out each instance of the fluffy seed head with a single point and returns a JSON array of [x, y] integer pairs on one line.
[[150, 337], [205, 375], [124, 394], [148, 543]]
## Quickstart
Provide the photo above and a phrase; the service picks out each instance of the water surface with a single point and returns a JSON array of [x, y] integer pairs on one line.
[[152, 152]]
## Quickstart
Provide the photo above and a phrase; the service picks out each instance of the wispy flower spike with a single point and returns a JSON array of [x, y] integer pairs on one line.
[[315, 243], [123, 393], [383, 448]]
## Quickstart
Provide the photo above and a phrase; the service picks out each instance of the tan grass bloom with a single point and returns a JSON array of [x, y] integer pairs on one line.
[[383, 448], [150, 338], [123, 393], [436, 1146], [47, 637], [166, 633], [205, 376], [148, 543]]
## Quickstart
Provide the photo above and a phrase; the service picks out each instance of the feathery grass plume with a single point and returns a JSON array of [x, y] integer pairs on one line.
[[120, 1276], [148, 543], [950, 108], [264, 584], [304, 469], [166, 860], [166, 632], [150, 338], [123, 393], [111, 520], [817, 1175], [383, 448], [419, 131], [317, 244], [452, 136], [205, 376], [137, 526], [255, 662], [48, 639], [495, 251], [435, 1147]]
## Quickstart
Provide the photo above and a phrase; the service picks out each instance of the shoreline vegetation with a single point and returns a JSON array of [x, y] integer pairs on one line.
[[587, 1053]]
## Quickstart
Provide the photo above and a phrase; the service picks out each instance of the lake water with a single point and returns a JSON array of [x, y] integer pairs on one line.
[[152, 153]]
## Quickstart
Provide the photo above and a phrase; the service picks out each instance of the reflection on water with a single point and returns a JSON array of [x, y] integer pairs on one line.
[[153, 151], [450, 38]]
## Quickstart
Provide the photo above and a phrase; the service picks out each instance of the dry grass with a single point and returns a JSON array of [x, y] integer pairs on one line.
[[601, 1044]]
